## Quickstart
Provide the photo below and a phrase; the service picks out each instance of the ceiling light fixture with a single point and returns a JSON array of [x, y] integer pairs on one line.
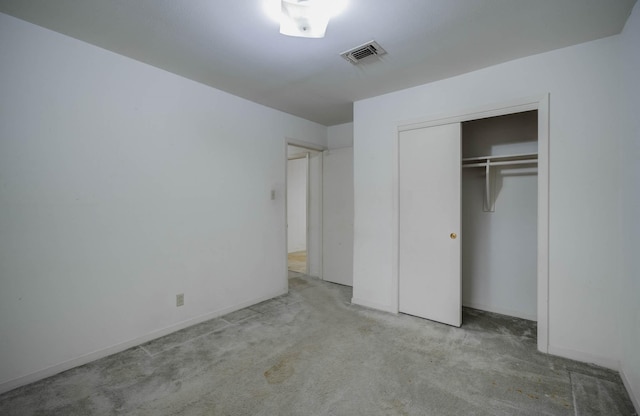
[[304, 18]]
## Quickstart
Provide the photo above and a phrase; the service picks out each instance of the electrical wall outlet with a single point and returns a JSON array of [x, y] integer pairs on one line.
[[180, 299]]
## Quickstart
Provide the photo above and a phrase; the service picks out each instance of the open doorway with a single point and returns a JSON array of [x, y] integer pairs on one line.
[[297, 208], [500, 214], [304, 209]]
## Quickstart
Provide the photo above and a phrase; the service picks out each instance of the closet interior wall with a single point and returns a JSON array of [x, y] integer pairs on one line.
[[499, 247]]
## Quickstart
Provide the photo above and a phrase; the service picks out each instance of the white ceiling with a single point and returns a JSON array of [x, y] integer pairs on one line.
[[232, 45]]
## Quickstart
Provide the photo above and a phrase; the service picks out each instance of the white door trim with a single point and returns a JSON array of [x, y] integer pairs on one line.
[[541, 104], [305, 145]]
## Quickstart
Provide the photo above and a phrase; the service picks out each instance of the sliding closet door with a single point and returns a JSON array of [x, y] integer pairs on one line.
[[429, 242]]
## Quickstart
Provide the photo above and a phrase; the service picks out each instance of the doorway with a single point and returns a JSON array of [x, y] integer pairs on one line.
[[297, 208], [303, 209], [499, 214]]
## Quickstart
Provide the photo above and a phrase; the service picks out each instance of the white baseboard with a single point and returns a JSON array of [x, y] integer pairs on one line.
[[501, 311], [96, 355], [627, 385], [373, 305], [585, 357]]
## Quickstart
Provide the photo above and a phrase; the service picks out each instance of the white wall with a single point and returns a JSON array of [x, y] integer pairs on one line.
[[297, 205], [340, 136], [499, 248], [121, 186], [584, 239], [630, 206]]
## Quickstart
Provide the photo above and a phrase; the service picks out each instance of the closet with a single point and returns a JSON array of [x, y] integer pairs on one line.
[[467, 223], [499, 214]]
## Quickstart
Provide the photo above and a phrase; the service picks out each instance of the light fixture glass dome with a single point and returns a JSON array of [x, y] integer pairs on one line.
[[304, 18]]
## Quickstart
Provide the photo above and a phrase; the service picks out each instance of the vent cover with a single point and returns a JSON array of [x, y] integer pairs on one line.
[[359, 53]]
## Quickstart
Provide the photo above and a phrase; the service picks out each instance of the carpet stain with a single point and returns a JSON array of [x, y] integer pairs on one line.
[[283, 370]]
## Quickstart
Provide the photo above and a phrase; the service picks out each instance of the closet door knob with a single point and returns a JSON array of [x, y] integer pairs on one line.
[[453, 236]]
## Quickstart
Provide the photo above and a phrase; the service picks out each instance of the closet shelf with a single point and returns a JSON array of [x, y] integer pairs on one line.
[[487, 162]]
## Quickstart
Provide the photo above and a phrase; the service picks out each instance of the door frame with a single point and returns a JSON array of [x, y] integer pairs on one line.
[[539, 103], [313, 148]]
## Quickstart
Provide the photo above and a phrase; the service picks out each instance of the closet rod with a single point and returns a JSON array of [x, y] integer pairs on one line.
[[505, 163], [487, 163]]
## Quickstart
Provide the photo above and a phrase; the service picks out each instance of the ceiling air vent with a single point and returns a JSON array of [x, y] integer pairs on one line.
[[359, 53]]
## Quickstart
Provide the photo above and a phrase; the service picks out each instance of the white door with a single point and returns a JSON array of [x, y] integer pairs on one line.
[[337, 210], [429, 234]]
